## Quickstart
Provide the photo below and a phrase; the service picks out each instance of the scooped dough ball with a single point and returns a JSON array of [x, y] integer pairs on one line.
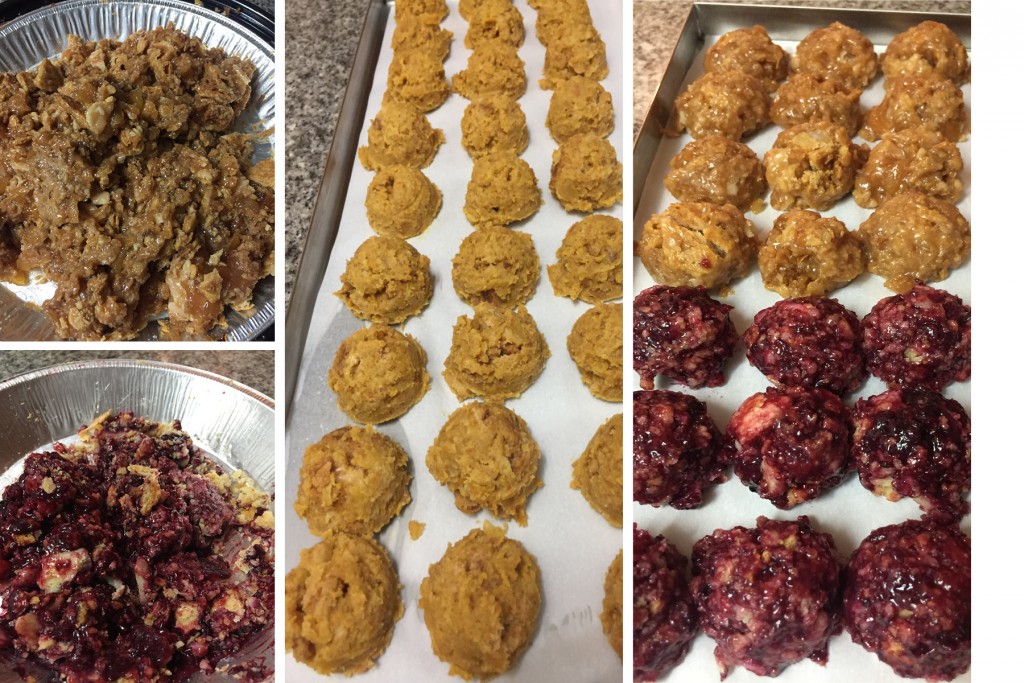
[[929, 48], [697, 244], [683, 334], [427, 10], [586, 174], [413, 34], [611, 606], [492, 123], [417, 77], [908, 599], [915, 443], [664, 615], [401, 201], [589, 266], [597, 473], [729, 103], [595, 345], [553, 16], [804, 98], [341, 604], [496, 265], [812, 166], [481, 603], [487, 458], [576, 50], [502, 189], [808, 342], [580, 105], [493, 67], [913, 237], [678, 451], [400, 136], [378, 374], [751, 51], [719, 170], [768, 596], [353, 481], [839, 53], [920, 338], [807, 254], [495, 20], [386, 281], [496, 354], [792, 444], [913, 101], [918, 159]]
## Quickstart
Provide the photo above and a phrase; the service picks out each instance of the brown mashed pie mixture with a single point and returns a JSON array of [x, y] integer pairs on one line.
[[121, 181]]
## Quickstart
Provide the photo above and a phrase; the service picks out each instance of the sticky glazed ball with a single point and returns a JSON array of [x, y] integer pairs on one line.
[[751, 51], [664, 616], [913, 237], [929, 48], [913, 101], [769, 596], [914, 443], [683, 334], [804, 98], [807, 254], [728, 103], [812, 166], [792, 444], [908, 599], [678, 451], [809, 341], [697, 244], [917, 159], [839, 53], [921, 338], [718, 170]]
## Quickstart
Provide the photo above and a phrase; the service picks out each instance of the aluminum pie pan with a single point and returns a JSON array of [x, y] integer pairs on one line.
[[231, 422], [32, 37]]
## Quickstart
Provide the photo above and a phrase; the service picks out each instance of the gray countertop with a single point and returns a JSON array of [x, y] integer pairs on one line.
[[254, 369], [321, 36], [656, 26]]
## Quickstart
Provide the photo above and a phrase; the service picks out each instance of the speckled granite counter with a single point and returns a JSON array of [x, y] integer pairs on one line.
[[252, 368], [321, 38], [656, 26]]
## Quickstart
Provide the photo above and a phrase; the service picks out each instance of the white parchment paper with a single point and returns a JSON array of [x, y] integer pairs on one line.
[[572, 543], [849, 512]]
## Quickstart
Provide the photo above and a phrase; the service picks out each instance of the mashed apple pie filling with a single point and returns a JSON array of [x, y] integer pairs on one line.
[[122, 182], [131, 556]]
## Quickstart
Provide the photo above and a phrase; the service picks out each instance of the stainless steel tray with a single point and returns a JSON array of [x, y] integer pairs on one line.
[[849, 512], [33, 36]]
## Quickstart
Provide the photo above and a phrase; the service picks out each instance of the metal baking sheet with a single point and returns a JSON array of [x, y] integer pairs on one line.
[[572, 543], [849, 512], [32, 37], [229, 421]]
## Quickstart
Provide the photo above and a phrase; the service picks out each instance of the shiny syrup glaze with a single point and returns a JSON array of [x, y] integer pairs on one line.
[[664, 616], [769, 596], [921, 338], [678, 451], [907, 598], [683, 334], [915, 443], [809, 341]]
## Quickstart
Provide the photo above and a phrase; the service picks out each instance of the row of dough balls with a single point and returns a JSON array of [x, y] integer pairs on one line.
[[912, 175]]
